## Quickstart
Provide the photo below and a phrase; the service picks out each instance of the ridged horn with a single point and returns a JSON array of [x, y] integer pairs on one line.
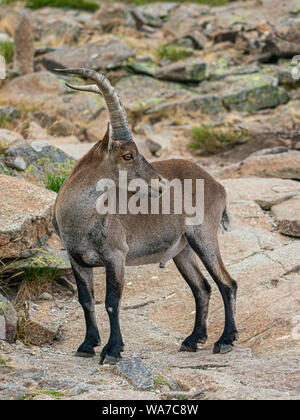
[[117, 114]]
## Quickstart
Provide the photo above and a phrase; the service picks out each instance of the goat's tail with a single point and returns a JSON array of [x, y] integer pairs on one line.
[[225, 222]]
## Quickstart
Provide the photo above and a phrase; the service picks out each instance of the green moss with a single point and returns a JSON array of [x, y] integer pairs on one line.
[[73, 4], [208, 140], [55, 394], [173, 52], [7, 50], [6, 122], [160, 380]]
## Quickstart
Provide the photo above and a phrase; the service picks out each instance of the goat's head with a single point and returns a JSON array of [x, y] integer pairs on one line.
[[118, 150]]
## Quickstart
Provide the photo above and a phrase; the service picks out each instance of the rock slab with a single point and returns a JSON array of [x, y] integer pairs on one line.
[[287, 215], [135, 372], [25, 216]]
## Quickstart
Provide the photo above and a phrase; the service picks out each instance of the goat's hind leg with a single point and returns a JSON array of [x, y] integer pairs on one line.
[[187, 264], [207, 249], [85, 286]]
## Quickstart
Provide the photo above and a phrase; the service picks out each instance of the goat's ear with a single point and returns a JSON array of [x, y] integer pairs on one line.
[[107, 140]]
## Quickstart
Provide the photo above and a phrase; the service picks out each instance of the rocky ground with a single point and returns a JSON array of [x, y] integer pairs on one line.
[[227, 68]]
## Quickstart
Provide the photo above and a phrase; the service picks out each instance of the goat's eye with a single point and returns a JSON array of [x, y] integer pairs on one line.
[[128, 156]]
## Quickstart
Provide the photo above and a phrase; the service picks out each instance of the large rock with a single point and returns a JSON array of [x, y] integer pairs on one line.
[[35, 161], [111, 16], [62, 111], [191, 70], [51, 25], [32, 90], [222, 68], [267, 192], [101, 55], [191, 14], [287, 216], [156, 14], [136, 373], [280, 165], [25, 216], [8, 320], [191, 105], [151, 92], [7, 139], [253, 92], [285, 40]]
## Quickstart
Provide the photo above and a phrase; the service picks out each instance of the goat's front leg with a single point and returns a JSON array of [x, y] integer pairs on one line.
[[84, 281], [111, 353]]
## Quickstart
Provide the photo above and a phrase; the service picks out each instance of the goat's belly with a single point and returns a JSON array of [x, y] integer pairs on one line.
[[147, 254]]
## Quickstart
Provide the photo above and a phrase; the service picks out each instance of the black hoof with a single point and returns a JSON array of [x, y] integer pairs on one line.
[[222, 348], [85, 350], [111, 354], [190, 343]]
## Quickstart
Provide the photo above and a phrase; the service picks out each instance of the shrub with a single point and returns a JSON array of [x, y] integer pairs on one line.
[[54, 182], [173, 52], [7, 50], [73, 4], [209, 140]]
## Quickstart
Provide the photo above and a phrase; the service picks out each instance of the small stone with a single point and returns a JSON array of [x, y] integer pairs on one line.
[[19, 164], [45, 296], [135, 372], [41, 325]]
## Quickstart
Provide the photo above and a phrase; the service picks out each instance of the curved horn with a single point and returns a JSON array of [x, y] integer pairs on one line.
[[118, 119], [85, 88]]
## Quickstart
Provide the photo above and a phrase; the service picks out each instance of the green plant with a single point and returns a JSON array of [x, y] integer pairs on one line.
[[55, 394], [54, 182], [160, 380], [7, 50], [172, 52], [5, 122], [73, 4], [209, 140]]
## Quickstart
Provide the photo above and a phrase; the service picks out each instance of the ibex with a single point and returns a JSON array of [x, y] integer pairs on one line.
[[117, 240]]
